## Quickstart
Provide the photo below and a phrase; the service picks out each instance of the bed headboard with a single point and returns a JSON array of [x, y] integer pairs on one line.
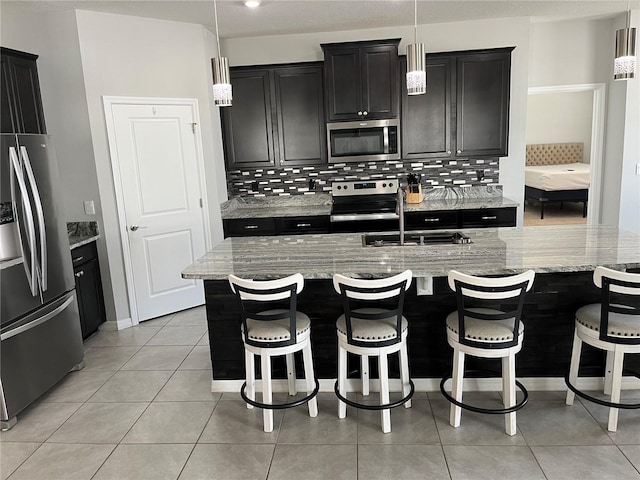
[[554, 153]]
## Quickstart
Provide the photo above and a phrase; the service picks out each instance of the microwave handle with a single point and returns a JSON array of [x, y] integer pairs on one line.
[[385, 135]]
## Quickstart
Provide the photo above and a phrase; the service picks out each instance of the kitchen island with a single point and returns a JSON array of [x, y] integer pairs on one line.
[[563, 258]]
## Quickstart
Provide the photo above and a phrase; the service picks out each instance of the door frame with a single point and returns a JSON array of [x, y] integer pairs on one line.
[[597, 140], [108, 103]]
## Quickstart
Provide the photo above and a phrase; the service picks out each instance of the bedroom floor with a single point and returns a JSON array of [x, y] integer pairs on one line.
[[571, 213]]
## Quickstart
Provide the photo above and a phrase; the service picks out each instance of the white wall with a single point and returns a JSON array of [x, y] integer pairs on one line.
[[560, 118], [437, 38]]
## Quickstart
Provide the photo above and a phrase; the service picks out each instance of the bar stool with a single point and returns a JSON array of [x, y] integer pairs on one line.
[[614, 326], [373, 325], [481, 331], [274, 332]]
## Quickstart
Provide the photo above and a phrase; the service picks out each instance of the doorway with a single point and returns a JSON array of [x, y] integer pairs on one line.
[[580, 100], [158, 172]]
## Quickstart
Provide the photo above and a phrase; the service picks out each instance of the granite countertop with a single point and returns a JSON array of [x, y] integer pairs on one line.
[[493, 251], [456, 198], [81, 233]]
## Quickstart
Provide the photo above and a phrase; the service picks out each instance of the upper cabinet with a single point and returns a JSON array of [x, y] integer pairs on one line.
[[277, 117], [20, 101], [465, 112], [361, 80]]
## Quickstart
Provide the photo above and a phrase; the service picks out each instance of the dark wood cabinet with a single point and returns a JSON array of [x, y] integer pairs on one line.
[[277, 117], [465, 112], [488, 217], [21, 103], [431, 220], [86, 269], [246, 227], [482, 103], [426, 119], [361, 80]]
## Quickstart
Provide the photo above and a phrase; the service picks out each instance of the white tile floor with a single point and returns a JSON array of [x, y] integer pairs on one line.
[[142, 409]]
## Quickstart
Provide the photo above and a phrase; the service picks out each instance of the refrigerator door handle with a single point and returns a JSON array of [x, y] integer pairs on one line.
[[37, 321], [40, 213], [29, 266]]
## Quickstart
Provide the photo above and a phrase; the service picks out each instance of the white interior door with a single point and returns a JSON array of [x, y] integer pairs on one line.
[[162, 203]]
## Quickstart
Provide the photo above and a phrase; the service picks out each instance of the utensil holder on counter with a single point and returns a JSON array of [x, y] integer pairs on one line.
[[414, 193]]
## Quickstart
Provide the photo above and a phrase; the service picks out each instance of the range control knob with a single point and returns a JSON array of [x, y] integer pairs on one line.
[[384, 185], [390, 184], [339, 187], [346, 187]]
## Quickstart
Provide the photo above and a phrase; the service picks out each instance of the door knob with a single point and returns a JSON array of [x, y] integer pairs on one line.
[[365, 113], [133, 228], [360, 113]]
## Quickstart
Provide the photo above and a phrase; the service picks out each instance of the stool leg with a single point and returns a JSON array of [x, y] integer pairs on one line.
[[291, 373], [309, 377], [456, 387], [616, 386], [250, 371], [383, 368], [608, 373], [364, 374], [267, 413], [573, 369], [342, 380], [404, 373], [509, 392]]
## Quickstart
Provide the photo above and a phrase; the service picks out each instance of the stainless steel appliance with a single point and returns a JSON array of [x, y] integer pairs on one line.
[[363, 141], [39, 322], [364, 206]]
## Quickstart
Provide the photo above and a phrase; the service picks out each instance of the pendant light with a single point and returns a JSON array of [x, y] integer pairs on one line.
[[416, 70], [222, 94], [625, 62]]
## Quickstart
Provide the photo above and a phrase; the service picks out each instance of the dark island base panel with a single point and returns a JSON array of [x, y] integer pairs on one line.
[[548, 313]]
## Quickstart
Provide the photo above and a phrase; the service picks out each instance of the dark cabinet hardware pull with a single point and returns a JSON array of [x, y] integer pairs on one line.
[[79, 274], [76, 260]]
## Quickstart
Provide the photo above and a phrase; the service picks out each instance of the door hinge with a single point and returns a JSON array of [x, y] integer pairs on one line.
[[201, 203], [193, 127]]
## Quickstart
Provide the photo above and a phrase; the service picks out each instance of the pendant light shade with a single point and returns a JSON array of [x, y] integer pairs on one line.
[[416, 69], [626, 60], [222, 92]]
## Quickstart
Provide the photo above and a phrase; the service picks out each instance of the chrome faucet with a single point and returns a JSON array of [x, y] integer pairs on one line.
[[400, 213]]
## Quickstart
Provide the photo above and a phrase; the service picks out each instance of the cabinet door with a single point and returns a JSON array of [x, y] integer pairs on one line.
[[246, 227], [379, 81], [489, 217], [343, 83], [27, 91], [300, 115], [7, 99], [247, 125], [426, 119], [482, 104], [90, 299]]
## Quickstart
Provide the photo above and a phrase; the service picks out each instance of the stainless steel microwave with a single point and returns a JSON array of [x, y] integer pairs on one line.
[[363, 141]]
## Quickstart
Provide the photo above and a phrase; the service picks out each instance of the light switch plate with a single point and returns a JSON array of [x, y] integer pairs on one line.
[[638, 169], [89, 207]]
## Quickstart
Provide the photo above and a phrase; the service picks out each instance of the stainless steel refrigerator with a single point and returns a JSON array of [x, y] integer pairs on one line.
[[40, 325]]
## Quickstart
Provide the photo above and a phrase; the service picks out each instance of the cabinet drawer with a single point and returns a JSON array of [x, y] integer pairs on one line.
[[246, 227], [84, 254], [293, 225], [432, 220], [489, 217]]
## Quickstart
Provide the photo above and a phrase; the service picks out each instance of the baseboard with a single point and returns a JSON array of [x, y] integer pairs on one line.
[[433, 384], [111, 325]]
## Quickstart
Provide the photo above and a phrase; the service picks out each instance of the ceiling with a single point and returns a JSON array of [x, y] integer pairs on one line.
[[275, 17]]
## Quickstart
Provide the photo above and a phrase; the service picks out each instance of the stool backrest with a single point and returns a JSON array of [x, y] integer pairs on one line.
[[621, 295], [357, 293], [252, 296], [473, 292]]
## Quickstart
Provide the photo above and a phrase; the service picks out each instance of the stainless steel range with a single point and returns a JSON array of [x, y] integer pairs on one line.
[[364, 206]]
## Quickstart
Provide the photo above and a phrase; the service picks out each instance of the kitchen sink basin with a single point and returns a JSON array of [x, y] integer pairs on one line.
[[413, 238]]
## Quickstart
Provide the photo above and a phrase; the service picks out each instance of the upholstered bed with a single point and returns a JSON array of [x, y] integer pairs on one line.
[[554, 172]]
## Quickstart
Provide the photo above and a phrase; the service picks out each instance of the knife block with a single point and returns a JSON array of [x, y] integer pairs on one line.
[[414, 193]]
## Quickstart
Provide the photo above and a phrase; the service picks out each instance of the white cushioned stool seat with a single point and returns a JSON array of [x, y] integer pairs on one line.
[[620, 325], [367, 330], [483, 331], [277, 329]]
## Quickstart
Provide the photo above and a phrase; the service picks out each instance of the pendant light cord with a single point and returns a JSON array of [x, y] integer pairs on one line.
[[215, 16], [415, 21]]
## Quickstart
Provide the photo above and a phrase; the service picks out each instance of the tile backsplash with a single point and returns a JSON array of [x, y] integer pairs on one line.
[[287, 181]]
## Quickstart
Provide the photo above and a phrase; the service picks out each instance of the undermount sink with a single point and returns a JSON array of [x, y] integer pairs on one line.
[[413, 238]]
